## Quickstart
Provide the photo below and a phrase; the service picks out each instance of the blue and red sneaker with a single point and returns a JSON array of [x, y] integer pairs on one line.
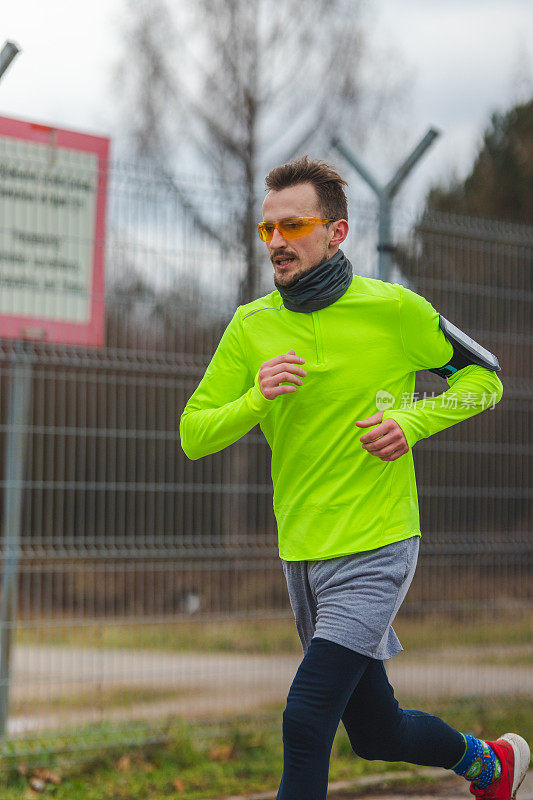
[[513, 753]]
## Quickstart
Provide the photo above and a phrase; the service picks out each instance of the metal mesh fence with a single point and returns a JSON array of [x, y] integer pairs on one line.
[[148, 586]]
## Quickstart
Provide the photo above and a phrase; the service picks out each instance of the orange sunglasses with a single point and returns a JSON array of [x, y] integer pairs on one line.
[[291, 228]]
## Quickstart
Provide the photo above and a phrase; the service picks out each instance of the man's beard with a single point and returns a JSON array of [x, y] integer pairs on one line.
[[292, 280], [299, 274]]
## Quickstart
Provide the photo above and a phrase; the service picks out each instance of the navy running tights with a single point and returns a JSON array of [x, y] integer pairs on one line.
[[334, 683]]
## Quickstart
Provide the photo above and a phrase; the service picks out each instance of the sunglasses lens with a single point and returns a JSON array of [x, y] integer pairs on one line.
[[289, 228], [266, 231], [294, 228]]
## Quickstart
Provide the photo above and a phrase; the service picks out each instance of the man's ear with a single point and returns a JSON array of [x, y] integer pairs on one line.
[[340, 230]]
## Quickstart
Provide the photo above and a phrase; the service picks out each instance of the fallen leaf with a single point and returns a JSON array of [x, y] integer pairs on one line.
[[46, 775], [221, 752], [178, 785], [124, 763]]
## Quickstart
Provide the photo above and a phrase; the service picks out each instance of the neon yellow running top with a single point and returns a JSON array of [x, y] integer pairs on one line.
[[332, 497]]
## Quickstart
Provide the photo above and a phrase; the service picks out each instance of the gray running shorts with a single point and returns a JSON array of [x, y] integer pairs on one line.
[[352, 600]]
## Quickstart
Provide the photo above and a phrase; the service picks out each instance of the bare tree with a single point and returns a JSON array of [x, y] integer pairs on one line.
[[241, 85]]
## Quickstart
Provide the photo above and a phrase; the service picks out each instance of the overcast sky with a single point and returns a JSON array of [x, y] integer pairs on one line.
[[467, 58]]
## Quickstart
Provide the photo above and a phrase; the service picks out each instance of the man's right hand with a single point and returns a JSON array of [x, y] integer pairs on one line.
[[280, 368]]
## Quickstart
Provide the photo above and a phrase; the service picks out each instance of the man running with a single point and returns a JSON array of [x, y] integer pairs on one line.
[[311, 362]]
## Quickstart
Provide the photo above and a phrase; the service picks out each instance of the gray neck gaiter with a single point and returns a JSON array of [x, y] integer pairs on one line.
[[319, 287]]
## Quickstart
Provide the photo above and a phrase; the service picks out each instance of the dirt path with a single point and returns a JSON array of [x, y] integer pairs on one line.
[[452, 787], [382, 787], [212, 684]]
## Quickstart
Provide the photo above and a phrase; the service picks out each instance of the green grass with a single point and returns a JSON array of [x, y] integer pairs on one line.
[[122, 697], [274, 636], [233, 758], [266, 636], [440, 632]]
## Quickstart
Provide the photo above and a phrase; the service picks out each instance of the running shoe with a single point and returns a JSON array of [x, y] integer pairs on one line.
[[514, 755]]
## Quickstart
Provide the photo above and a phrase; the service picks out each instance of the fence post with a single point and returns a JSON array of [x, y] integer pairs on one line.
[[386, 194], [18, 419], [7, 54]]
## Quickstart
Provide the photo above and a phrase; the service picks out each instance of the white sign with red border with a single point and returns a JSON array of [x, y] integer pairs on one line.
[[52, 225]]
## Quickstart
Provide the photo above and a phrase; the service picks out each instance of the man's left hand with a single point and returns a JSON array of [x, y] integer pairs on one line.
[[387, 441]]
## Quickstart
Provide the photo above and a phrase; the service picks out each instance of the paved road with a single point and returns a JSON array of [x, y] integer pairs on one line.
[[212, 684]]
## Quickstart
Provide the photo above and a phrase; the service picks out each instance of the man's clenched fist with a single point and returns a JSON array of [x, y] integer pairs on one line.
[[387, 441], [281, 368]]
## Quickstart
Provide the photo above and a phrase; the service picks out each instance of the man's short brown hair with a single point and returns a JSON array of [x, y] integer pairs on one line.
[[328, 184]]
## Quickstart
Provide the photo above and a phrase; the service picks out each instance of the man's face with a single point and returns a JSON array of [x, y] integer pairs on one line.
[[295, 257]]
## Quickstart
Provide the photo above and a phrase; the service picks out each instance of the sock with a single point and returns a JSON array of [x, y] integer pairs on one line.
[[479, 763]]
